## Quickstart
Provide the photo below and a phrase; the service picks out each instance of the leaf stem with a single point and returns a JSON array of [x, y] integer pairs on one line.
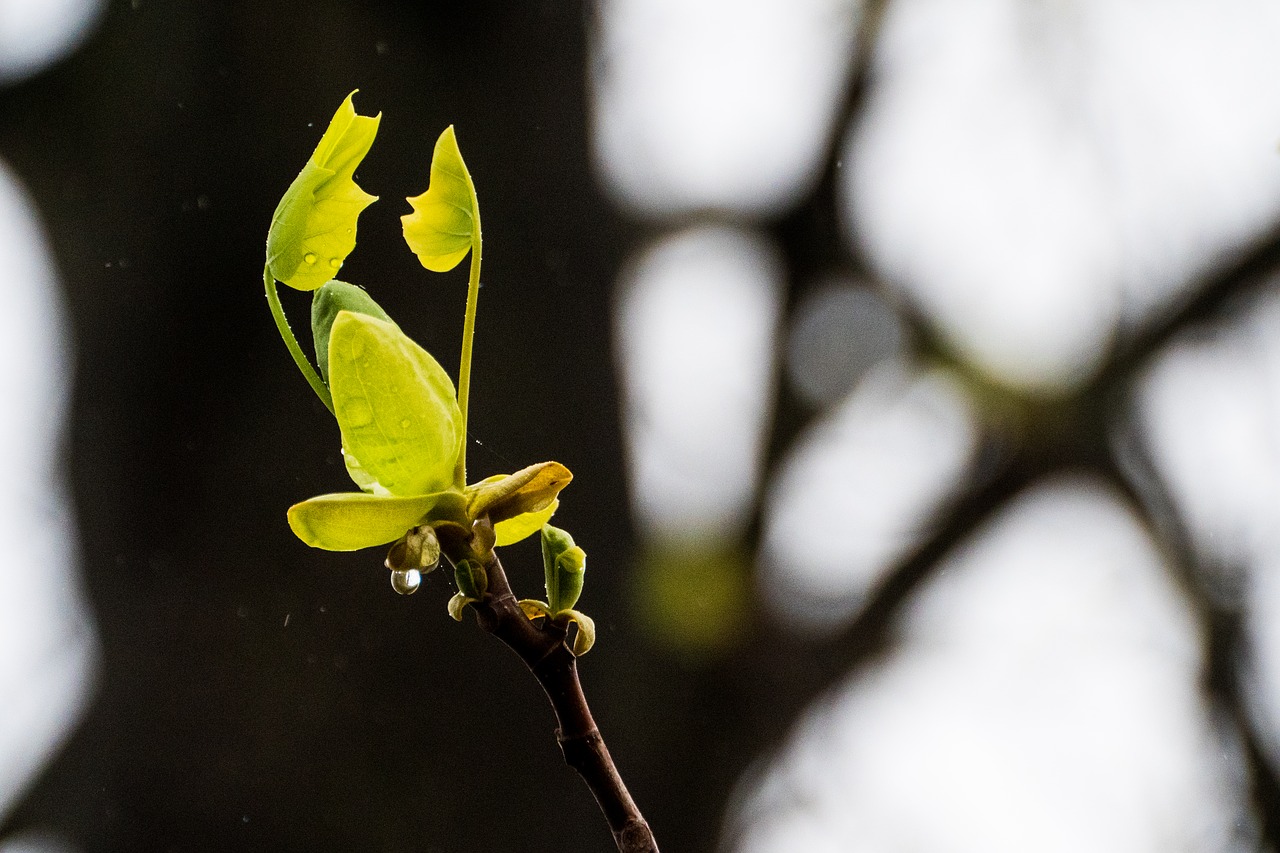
[[468, 335], [282, 324], [542, 648]]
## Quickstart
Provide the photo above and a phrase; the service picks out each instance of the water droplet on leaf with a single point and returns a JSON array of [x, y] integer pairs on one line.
[[335, 262], [407, 581], [309, 257], [358, 412]]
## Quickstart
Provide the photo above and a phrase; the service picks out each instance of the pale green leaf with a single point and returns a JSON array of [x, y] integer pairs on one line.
[[523, 526], [314, 226], [441, 228], [352, 520], [326, 302], [395, 406]]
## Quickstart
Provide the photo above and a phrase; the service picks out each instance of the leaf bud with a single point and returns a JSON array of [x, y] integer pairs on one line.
[[471, 578], [416, 549], [564, 564]]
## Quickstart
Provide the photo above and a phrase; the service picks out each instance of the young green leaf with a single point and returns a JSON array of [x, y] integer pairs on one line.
[[314, 226], [353, 520], [394, 404], [326, 302], [443, 223]]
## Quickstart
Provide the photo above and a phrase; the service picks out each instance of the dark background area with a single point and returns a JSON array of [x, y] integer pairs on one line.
[[256, 694]]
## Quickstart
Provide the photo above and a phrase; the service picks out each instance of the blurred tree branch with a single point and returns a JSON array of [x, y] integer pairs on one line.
[[1069, 434]]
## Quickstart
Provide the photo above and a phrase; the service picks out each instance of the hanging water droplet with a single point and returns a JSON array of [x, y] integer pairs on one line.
[[406, 581], [335, 262], [309, 257]]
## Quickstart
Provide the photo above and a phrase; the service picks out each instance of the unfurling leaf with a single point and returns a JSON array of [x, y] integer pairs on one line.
[[531, 489], [395, 406], [326, 302], [443, 223], [314, 226]]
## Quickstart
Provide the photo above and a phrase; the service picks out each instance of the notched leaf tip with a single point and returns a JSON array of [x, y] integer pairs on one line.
[[443, 225]]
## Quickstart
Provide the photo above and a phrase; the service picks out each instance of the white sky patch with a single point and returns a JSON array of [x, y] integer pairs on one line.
[[47, 650], [855, 491], [697, 319], [716, 103], [1042, 697], [1034, 172], [36, 33], [1211, 410]]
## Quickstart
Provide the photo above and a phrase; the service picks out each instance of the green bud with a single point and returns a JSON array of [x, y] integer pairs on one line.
[[564, 564], [471, 578]]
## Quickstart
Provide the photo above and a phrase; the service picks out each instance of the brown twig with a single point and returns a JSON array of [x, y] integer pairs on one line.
[[542, 647]]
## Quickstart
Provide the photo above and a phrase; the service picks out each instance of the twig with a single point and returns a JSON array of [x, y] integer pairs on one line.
[[542, 648]]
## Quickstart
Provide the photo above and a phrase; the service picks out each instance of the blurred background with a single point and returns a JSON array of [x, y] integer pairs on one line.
[[918, 362]]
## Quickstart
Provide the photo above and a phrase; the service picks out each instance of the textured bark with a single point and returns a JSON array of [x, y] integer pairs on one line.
[[542, 647]]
